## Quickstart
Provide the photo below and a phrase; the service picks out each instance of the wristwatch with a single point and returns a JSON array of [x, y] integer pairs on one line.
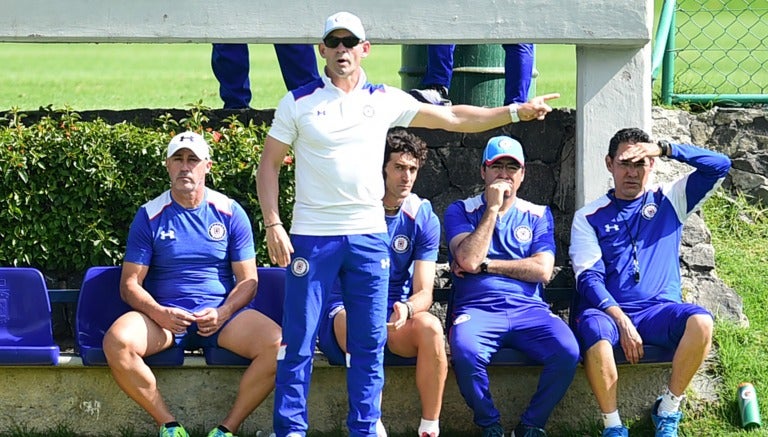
[[663, 147], [484, 265]]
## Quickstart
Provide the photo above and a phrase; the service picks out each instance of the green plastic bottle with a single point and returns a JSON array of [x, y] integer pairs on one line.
[[750, 411]]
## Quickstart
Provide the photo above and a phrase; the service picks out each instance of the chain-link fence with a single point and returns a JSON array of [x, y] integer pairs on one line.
[[719, 52]]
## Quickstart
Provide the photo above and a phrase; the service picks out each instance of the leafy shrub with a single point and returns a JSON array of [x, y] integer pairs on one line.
[[70, 188]]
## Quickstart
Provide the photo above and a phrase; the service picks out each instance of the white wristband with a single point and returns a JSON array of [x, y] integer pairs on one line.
[[513, 113]]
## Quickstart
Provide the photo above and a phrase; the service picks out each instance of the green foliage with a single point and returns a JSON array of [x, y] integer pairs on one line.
[[71, 188]]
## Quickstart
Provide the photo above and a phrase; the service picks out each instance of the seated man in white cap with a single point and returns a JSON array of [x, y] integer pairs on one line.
[[189, 273]]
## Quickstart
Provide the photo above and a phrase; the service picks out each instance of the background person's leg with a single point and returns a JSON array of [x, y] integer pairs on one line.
[[437, 77], [231, 65], [518, 70], [298, 64]]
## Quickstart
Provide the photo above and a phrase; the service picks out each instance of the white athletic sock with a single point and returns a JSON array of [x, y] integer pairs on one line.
[[429, 426], [611, 420], [669, 402], [380, 430]]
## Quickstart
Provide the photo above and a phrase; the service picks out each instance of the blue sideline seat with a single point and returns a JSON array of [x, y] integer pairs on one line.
[[269, 300], [26, 336], [99, 305]]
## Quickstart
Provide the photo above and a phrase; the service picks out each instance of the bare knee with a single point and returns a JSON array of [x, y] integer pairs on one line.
[[116, 343], [429, 329], [600, 356], [700, 326]]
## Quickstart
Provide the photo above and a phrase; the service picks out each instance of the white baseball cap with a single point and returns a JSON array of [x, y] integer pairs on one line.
[[192, 141], [344, 20]]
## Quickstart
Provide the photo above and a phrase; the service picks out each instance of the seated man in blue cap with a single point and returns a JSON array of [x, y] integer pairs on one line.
[[502, 252]]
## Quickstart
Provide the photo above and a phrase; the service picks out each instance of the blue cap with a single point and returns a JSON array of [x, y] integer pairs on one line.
[[503, 147]]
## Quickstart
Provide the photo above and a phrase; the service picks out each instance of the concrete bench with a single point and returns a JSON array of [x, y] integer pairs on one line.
[[201, 392]]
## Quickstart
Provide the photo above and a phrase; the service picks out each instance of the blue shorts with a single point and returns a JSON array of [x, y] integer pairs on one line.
[[190, 339], [660, 325]]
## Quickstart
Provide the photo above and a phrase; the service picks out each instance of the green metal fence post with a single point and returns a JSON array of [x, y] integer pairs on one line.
[[668, 74], [478, 73]]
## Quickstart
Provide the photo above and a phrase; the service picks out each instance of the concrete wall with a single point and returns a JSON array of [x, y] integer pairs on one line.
[[86, 399]]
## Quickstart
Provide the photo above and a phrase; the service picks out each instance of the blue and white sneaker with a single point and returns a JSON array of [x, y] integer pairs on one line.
[[666, 423], [616, 431]]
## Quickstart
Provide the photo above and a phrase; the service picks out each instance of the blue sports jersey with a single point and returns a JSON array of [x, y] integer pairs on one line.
[[601, 237], [415, 236], [189, 251], [523, 231]]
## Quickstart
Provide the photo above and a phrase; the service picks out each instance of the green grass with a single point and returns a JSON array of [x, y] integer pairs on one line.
[[128, 76]]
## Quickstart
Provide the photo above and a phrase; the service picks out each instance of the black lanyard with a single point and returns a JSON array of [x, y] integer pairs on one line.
[[633, 238]]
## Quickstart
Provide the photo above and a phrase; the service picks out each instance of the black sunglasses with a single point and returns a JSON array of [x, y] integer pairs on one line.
[[334, 41]]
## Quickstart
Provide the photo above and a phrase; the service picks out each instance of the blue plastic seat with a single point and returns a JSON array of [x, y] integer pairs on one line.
[[269, 301], [98, 306], [26, 335]]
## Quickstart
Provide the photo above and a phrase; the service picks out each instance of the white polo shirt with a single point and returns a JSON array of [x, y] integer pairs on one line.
[[338, 140]]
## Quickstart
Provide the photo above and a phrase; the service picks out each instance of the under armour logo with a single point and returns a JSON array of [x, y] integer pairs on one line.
[[613, 227], [385, 263], [319, 113], [171, 235], [187, 137]]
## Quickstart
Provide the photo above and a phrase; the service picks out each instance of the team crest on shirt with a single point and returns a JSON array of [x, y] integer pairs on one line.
[[650, 210], [217, 231], [461, 319], [368, 111], [523, 234], [401, 243], [299, 267]]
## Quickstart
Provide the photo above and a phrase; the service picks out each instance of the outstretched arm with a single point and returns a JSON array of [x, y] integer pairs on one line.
[[467, 118]]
